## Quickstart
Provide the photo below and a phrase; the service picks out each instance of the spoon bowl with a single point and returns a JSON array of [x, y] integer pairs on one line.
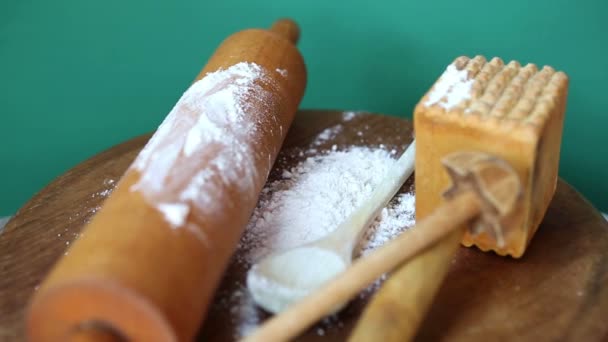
[[288, 276], [285, 277]]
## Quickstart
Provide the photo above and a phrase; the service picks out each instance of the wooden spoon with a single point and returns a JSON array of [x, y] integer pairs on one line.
[[285, 277]]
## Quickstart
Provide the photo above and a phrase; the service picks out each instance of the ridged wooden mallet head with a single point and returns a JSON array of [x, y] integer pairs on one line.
[[511, 112]]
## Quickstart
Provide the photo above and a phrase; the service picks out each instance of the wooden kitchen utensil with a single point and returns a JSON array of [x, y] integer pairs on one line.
[[147, 265], [483, 187], [554, 292], [512, 112]]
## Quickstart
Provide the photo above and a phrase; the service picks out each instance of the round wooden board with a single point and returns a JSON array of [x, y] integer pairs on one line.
[[557, 291]]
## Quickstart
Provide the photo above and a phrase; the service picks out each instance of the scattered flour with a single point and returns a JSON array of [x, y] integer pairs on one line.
[[453, 87], [282, 72], [82, 217], [348, 116], [327, 134], [392, 221], [308, 201], [109, 185], [316, 195]]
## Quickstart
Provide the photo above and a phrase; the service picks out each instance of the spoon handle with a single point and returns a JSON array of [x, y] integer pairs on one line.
[[302, 314], [349, 232]]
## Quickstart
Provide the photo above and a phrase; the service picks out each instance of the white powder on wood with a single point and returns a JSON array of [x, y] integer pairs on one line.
[[211, 135], [315, 196], [327, 134], [281, 72], [349, 115], [89, 207], [308, 201], [453, 87]]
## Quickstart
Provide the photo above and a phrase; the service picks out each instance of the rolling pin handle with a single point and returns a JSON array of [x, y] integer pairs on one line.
[[286, 28]]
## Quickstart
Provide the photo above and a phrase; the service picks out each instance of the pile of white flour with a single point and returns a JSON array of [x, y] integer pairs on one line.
[[307, 202], [314, 188], [314, 197]]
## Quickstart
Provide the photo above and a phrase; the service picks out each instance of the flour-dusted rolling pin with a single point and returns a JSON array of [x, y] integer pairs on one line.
[[511, 112], [147, 265]]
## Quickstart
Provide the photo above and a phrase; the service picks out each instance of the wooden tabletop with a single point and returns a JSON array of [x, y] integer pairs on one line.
[[556, 291]]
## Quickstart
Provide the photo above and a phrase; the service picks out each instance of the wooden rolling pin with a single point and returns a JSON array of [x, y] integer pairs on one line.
[[147, 265], [513, 112]]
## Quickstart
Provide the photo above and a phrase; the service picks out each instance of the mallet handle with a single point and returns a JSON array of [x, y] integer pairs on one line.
[[444, 221]]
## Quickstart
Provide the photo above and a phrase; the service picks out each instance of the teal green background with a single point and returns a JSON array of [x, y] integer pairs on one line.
[[78, 76]]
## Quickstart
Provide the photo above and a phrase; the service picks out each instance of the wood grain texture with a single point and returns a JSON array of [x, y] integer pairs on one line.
[[555, 292]]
